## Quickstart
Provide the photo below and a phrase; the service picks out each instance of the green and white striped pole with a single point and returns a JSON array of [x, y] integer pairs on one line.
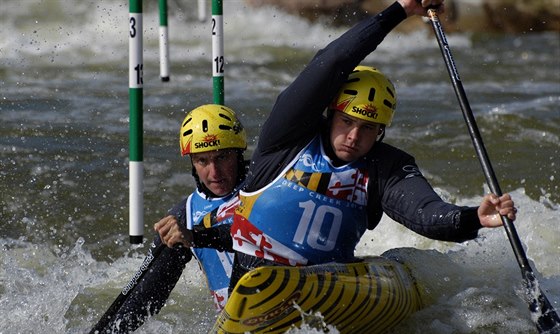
[[218, 51], [163, 41], [202, 10], [136, 155]]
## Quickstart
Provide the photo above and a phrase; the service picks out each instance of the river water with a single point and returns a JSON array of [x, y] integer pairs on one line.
[[64, 156]]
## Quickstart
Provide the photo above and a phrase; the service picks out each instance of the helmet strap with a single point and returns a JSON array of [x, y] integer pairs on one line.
[[242, 168], [381, 134], [328, 147], [199, 185]]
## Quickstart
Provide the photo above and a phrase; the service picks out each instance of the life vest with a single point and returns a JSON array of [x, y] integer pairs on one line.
[[313, 212], [216, 265]]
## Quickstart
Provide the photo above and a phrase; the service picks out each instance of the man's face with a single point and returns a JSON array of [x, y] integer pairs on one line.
[[351, 137], [217, 170]]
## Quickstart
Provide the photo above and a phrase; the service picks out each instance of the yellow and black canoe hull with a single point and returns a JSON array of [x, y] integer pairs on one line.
[[363, 297]]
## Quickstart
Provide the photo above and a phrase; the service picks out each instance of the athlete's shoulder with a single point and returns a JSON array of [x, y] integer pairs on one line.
[[387, 161], [384, 151]]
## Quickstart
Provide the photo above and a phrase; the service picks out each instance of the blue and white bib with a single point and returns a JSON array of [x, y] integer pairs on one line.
[[217, 266], [313, 212]]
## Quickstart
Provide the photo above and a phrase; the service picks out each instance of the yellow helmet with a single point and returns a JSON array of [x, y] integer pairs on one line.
[[211, 127], [367, 94]]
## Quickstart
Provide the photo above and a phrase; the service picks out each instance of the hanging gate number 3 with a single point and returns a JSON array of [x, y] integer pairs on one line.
[[139, 67], [314, 219]]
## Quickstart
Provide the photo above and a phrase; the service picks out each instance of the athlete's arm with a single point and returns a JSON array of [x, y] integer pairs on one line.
[[217, 237], [408, 198], [413, 203], [296, 113]]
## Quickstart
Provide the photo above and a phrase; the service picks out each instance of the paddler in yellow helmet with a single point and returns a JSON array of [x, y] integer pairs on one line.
[[215, 140], [316, 183]]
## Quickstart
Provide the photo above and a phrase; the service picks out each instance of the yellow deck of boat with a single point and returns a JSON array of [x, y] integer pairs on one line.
[[364, 297]]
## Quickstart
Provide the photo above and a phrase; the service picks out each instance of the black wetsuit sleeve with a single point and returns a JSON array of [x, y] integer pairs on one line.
[[150, 294], [179, 211], [408, 198], [217, 237], [296, 116], [413, 203]]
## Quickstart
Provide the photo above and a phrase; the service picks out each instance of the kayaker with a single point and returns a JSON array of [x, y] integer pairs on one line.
[[215, 140], [316, 182]]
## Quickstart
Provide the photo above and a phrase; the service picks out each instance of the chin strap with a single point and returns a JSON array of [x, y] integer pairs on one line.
[[381, 134]]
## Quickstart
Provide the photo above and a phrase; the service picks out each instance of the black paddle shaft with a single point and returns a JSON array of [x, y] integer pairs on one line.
[[123, 296], [548, 320]]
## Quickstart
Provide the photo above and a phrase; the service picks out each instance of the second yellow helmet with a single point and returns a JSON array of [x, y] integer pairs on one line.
[[367, 94]]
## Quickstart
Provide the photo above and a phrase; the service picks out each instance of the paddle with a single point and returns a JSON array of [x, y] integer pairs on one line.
[[123, 296], [546, 318]]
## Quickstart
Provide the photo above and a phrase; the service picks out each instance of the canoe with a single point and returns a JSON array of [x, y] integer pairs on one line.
[[370, 296]]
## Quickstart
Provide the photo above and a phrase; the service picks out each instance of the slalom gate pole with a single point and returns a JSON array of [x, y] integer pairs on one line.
[[543, 313], [218, 51], [163, 41], [202, 10], [136, 154]]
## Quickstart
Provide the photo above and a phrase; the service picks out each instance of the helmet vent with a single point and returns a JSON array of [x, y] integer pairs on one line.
[[205, 125], [188, 132], [351, 92], [371, 95], [225, 117], [224, 127], [187, 121], [388, 104], [390, 92]]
